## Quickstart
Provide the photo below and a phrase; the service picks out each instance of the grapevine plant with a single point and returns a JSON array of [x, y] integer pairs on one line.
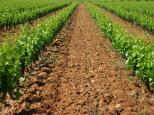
[[12, 15], [141, 19], [139, 55], [14, 57]]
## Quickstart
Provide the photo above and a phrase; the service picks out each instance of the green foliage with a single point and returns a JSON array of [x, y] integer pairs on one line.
[[140, 13], [13, 12], [15, 57], [139, 55], [142, 7]]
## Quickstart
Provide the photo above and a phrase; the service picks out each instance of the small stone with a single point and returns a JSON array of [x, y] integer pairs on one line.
[[92, 81], [50, 65], [36, 68], [133, 93], [152, 98], [42, 75], [100, 68], [117, 106], [51, 74], [37, 92], [152, 109], [117, 76], [47, 70], [89, 75], [34, 73], [41, 65], [54, 49], [129, 109]]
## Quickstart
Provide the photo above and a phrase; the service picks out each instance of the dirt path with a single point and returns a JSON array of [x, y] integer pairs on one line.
[[94, 80], [88, 78], [132, 28]]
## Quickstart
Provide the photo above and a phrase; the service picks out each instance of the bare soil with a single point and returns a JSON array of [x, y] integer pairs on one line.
[[81, 74], [130, 27]]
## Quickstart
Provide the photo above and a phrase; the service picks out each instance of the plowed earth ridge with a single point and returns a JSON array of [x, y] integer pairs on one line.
[[88, 77]]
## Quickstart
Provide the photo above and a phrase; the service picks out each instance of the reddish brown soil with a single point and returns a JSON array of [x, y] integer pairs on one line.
[[130, 27], [87, 78], [12, 32]]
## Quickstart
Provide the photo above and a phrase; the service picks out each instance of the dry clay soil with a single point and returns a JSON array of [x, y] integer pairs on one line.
[[81, 74]]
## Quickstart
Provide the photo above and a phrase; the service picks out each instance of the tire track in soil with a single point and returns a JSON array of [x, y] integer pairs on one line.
[[130, 27], [87, 78]]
